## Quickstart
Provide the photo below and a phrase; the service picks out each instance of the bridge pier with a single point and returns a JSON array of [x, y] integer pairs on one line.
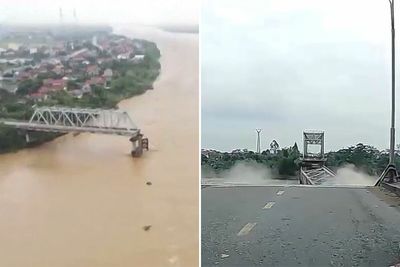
[[27, 138], [138, 144], [137, 149]]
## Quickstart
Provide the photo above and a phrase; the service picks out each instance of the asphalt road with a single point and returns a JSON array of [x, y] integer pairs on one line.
[[299, 226], [235, 182]]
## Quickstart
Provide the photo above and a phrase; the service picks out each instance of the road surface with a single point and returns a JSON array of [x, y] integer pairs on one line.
[[299, 226], [231, 182]]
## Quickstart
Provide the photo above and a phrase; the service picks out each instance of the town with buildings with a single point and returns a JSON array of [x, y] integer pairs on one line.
[[74, 65], [69, 66]]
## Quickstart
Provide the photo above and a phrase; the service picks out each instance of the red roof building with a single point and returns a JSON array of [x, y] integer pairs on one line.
[[55, 84], [98, 80], [38, 96], [44, 90], [92, 70]]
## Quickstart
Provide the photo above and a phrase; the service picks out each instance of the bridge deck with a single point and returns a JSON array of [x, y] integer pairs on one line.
[[317, 176], [301, 226], [66, 129]]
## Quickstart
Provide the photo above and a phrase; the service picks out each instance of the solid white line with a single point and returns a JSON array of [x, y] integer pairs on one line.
[[246, 229], [269, 205], [280, 192]]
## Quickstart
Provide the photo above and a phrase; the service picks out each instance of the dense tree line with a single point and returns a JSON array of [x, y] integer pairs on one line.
[[29, 86], [287, 161], [284, 162], [365, 157]]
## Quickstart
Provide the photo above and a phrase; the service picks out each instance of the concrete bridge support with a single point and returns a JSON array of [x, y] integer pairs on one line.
[[138, 144], [28, 140], [137, 149]]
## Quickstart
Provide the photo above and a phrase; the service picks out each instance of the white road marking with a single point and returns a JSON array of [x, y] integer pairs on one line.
[[269, 205], [280, 192], [246, 229]]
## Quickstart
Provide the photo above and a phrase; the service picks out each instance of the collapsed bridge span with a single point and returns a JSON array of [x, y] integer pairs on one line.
[[80, 120], [313, 170]]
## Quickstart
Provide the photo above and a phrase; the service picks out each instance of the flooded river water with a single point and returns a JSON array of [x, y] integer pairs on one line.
[[83, 201]]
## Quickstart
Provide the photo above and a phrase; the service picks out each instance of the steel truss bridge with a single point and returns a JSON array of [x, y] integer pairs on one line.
[[313, 170], [64, 120], [81, 120], [316, 176]]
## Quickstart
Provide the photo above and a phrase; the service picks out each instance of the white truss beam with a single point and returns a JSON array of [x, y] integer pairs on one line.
[[65, 119]]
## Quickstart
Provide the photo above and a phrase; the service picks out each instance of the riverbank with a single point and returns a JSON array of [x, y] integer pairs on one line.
[[83, 201]]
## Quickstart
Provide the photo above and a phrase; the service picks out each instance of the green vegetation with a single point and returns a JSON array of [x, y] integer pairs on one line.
[[130, 79], [136, 77], [39, 56], [48, 75], [284, 162], [287, 161], [7, 137], [10, 138], [364, 157], [29, 86]]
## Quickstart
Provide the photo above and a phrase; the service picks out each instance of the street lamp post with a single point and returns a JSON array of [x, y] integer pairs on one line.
[[390, 173], [392, 129]]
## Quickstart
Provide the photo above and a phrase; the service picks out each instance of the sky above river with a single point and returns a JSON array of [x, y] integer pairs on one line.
[[286, 66], [104, 11]]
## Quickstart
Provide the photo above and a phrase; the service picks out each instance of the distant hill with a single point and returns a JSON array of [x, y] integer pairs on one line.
[[180, 28]]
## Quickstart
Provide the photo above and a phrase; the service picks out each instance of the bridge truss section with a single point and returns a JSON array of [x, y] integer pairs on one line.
[[316, 176], [313, 170], [66, 119], [312, 137]]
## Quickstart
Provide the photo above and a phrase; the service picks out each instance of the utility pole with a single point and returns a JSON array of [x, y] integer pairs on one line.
[[258, 141], [61, 15], [75, 16], [390, 173]]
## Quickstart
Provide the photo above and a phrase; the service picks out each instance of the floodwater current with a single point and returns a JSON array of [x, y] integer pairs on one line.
[[83, 201]]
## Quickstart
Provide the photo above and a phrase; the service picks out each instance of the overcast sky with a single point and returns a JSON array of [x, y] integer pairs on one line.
[[286, 66], [105, 11]]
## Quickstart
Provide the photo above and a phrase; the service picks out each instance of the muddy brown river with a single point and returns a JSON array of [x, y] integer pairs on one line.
[[83, 201]]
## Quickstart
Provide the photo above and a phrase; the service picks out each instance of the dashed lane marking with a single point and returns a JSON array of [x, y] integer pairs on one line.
[[280, 192], [246, 229], [269, 205]]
